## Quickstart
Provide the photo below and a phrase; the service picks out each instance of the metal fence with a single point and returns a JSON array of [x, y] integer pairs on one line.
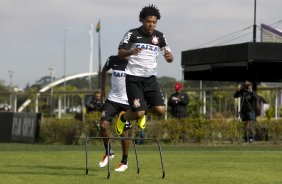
[[207, 102]]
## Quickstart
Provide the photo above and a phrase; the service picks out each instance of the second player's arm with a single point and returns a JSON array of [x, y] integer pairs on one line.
[[103, 82]]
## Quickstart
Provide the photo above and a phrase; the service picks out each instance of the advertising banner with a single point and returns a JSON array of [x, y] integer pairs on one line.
[[19, 127]]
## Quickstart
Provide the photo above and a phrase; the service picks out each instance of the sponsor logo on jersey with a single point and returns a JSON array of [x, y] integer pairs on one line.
[[155, 40], [118, 74], [136, 103], [147, 47]]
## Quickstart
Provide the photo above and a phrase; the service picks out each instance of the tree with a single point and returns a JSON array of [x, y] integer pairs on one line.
[[4, 91]]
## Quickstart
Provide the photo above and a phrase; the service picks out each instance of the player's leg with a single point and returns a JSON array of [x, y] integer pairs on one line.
[[105, 132], [108, 112], [154, 97], [123, 165]]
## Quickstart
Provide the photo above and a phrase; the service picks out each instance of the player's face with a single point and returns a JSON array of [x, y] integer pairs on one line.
[[149, 24]]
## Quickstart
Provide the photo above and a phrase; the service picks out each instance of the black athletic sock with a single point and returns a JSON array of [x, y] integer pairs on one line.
[[124, 159], [122, 119], [106, 148]]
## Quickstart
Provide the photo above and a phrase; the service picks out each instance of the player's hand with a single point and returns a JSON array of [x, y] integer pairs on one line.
[[135, 51], [168, 56]]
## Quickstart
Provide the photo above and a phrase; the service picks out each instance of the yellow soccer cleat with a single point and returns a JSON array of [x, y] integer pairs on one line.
[[142, 122], [119, 124]]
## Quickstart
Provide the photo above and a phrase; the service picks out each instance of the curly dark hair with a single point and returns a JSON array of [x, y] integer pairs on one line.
[[150, 10]]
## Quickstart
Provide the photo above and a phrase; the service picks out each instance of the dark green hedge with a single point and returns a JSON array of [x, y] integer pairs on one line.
[[64, 131], [71, 131]]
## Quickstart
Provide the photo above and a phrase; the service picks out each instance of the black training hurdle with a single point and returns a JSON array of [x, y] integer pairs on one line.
[[134, 146]]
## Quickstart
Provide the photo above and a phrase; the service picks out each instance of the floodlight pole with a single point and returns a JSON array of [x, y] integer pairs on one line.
[[65, 65], [12, 104], [255, 26], [91, 54], [254, 41], [99, 52], [254, 38]]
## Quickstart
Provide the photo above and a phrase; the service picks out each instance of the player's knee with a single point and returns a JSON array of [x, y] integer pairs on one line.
[[160, 110], [139, 114], [104, 125], [124, 134]]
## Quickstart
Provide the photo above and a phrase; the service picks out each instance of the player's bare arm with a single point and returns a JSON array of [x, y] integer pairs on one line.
[[104, 78]]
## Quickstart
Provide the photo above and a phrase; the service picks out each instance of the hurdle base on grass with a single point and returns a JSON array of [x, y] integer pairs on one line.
[[134, 146]]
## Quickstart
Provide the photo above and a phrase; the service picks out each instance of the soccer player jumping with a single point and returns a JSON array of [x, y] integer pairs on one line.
[[141, 47]]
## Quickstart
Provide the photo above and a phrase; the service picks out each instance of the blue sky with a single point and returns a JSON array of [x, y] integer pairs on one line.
[[32, 31]]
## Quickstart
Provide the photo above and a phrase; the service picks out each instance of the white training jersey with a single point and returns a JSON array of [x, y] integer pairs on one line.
[[145, 63], [118, 89]]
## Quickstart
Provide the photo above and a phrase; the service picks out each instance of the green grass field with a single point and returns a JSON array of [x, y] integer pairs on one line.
[[195, 164]]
